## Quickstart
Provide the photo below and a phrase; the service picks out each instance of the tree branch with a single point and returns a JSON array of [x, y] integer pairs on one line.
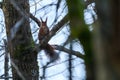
[[35, 19], [75, 53], [61, 48]]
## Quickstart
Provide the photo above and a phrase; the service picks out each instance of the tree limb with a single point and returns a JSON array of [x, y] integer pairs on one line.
[[61, 48], [75, 53], [35, 19]]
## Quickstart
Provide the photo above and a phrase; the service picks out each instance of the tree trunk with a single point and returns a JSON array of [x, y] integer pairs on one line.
[[108, 51], [80, 30], [20, 44]]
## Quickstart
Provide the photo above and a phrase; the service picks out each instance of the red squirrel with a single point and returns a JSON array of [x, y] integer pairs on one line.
[[49, 50]]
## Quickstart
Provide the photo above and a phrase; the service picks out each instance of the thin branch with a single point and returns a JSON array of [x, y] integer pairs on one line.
[[2, 54], [35, 19], [6, 65], [76, 53], [70, 62], [61, 48], [48, 66], [5, 77]]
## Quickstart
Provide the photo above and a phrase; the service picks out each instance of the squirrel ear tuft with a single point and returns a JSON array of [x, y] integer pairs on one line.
[[46, 20]]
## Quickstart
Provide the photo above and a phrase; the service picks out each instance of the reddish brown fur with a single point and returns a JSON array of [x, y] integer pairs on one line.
[[44, 30], [49, 50]]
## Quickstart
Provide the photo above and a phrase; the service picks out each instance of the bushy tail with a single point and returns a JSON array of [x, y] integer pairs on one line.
[[50, 52]]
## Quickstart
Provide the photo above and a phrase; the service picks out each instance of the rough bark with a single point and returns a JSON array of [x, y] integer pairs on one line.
[[23, 57]]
